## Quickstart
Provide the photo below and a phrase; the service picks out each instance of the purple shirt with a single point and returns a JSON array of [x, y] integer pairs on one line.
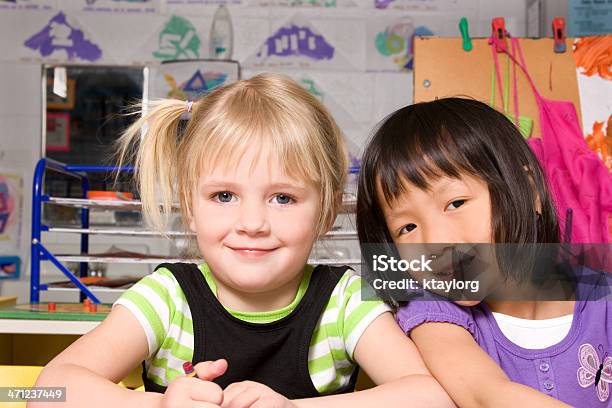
[[565, 371]]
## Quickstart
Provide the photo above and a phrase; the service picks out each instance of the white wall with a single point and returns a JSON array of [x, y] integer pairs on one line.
[[20, 130]]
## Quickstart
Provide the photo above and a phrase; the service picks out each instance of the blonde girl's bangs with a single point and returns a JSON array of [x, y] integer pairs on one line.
[[225, 149]]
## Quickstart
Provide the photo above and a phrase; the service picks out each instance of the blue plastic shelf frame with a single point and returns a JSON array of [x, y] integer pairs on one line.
[[38, 250]]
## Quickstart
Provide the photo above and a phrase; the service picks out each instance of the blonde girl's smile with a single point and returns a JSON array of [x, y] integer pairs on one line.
[[252, 253]]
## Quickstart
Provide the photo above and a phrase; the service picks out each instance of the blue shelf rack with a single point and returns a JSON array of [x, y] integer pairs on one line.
[[38, 250]]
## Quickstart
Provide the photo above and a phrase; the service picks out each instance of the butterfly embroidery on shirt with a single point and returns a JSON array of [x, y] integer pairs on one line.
[[592, 371]]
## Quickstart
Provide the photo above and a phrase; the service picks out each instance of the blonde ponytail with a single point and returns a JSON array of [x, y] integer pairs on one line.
[[151, 143]]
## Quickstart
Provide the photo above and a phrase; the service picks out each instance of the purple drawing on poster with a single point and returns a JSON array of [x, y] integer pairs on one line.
[[7, 204], [297, 41], [59, 35], [382, 4]]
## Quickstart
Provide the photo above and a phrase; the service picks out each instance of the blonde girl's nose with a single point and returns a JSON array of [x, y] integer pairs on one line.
[[253, 218]]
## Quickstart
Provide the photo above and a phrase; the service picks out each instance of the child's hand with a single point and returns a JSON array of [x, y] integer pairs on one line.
[[250, 394], [198, 392], [209, 370], [189, 392]]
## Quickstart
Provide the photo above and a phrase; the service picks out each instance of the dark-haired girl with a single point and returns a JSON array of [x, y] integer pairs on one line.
[[457, 171]]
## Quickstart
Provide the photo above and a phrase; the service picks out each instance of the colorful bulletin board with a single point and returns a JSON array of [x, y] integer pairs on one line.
[[468, 73]]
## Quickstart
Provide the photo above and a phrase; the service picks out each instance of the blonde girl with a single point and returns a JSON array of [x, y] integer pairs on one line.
[[258, 170]]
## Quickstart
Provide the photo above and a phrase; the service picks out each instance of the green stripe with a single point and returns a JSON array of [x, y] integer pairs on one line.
[[180, 294], [162, 292], [178, 291], [353, 288], [178, 350], [170, 373], [324, 331], [357, 316], [332, 302], [159, 362], [334, 385], [182, 321], [165, 272], [149, 312], [317, 365], [339, 354]]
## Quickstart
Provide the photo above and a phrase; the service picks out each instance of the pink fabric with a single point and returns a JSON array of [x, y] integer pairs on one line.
[[577, 178]]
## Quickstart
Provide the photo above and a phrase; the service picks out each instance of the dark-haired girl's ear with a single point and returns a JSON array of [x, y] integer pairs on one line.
[[538, 202]]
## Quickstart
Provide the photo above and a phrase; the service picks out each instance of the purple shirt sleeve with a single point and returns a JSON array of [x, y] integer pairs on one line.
[[418, 312]]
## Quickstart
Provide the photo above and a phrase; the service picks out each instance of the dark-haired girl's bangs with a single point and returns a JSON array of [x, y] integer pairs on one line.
[[428, 147]]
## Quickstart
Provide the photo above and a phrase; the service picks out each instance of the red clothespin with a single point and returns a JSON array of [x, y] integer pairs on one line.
[[558, 27], [499, 33]]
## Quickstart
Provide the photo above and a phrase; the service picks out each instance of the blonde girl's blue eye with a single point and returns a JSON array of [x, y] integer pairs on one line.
[[407, 228], [283, 199], [224, 197], [455, 204]]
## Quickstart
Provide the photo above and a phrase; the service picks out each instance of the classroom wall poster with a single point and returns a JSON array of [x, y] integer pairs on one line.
[[589, 17], [594, 69], [189, 80], [63, 38], [297, 43], [178, 39], [391, 43], [11, 190]]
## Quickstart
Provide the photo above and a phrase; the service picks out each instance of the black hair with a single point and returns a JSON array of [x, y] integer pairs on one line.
[[447, 137]]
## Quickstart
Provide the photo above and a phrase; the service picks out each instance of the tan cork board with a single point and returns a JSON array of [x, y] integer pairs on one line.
[[451, 71]]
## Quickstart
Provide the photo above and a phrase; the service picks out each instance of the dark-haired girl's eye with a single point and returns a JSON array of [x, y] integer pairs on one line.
[[224, 197], [408, 228], [455, 204]]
